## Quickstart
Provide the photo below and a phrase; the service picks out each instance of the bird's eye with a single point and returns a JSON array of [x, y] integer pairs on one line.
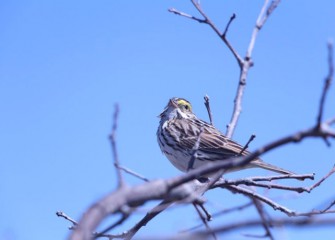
[[184, 105]]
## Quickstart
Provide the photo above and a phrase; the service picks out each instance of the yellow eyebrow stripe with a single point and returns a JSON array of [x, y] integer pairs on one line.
[[183, 102]]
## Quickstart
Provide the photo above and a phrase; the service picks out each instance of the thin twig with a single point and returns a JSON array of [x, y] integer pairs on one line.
[[263, 16], [318, 212], [292, 222], [207, 20], [259, 207], [264, 199], [133, 173], [329, 207], [274, 4], [322, 179], [204, 220], [175, 11], [208, 107], [229, 210], [247, 63], [63, 215], [208, 215], [249, 182], [228, 25], [150, 215], [225, 211], [276, 206], [252, 137], [286, 176], [75, 224], [326, 84], [117, 223], [112, 139]]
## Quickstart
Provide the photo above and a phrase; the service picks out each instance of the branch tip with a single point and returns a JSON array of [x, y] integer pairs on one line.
[[326, 85], [112, 138], [206, 98], [228, 25]]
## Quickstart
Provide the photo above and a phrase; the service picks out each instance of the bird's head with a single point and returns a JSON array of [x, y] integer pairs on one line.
[[177, 108]]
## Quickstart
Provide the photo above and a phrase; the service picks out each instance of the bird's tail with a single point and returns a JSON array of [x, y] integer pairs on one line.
[[267, 166]]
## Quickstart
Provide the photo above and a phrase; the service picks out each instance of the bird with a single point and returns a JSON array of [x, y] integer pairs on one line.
[[180, 130]]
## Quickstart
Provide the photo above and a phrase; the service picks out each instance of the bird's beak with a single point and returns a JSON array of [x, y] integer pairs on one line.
[[171, 103]]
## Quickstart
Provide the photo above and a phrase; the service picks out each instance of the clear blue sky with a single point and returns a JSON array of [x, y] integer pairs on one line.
[[64, 64]]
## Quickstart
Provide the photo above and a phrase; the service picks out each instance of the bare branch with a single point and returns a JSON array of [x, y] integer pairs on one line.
[[274, 4], [327, 83], [248, 182], [292, 222], [229, 210], [63, 215], [228, 25], [322, 179], [208, 215], [117, 223], [225, 211], [263, 199], [263, 16], [329, 207], [318, 212], [287, 176], [114, 149], [150, 215], [133, 173], [265, 222], [247, 63], [73, 227], [252, 137], [204, 220], [175, 11], [207, 20], [208, 107]]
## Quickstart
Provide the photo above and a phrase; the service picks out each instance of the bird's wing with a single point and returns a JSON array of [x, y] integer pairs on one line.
[[220, 147], [213, 143]]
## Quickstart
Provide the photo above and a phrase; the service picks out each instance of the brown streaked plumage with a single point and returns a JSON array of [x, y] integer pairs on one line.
[[178, 132]]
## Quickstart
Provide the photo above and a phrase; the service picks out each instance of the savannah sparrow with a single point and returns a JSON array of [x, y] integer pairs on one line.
[[178, 132]]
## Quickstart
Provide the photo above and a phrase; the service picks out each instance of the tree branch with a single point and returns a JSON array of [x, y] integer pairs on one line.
[[247, 63], [204, 220], [327, 84], [208, 107], [252, 194], [248, 182], [114, 149], [265, 221], [292, 222], [209, 22]]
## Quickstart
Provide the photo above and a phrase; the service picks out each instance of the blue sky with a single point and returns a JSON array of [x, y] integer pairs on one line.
[[64, 64]]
